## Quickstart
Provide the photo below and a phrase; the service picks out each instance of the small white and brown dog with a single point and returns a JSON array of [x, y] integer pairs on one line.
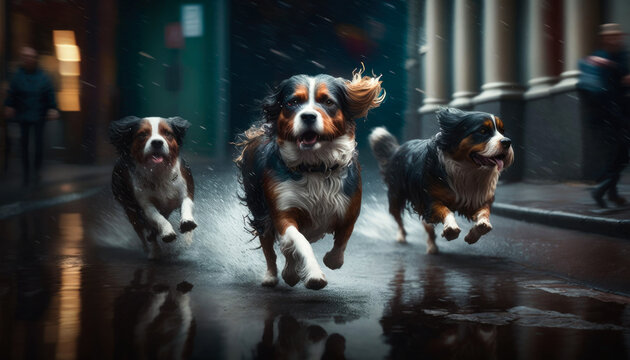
[[300, 174], [150, 180]]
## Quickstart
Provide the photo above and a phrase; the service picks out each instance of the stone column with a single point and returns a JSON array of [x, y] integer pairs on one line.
[[436, 56], [499, 51], [501, 94], [581, 20], [413, 69], [540, 60], [466, 54]]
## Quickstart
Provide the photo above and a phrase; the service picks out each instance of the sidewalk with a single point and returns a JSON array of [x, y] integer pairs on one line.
[[566, 205], [60, 182]]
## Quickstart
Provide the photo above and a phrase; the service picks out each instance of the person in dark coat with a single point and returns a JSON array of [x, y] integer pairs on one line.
[[30, 102], [608, 107]]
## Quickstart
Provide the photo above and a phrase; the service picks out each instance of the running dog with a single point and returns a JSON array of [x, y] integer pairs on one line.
[[454, 171], [300, 174], [150, 180]]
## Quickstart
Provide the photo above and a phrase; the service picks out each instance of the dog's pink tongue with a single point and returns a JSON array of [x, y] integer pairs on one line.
[[499, 164], [157, 159], [309, 139]]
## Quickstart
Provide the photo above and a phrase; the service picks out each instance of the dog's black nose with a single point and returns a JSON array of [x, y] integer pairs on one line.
[[157, 144], [506, 142], [308, 118]]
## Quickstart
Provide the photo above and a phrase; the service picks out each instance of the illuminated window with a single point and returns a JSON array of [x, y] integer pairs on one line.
[[69, 57]]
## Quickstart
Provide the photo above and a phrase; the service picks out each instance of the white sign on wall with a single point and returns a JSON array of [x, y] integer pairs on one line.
[[192, 20]]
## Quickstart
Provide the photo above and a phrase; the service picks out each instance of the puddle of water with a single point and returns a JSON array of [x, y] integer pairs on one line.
[[526, 316], [575, 291]]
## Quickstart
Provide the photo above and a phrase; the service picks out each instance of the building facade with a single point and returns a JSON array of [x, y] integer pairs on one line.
[[110, 59], [518, 60]]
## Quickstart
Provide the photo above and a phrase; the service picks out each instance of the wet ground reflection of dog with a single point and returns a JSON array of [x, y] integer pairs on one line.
[[298, 340], [411, 327], [153, 320]]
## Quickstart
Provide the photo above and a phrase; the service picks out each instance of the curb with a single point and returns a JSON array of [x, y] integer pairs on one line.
[[20, 207], [592, 224]]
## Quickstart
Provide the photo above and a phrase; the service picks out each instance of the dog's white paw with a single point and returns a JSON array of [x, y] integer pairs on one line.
[[169, 237], [270, 279], [187, 225], [333, 259], [481, 228], [451, 232], [168, 233], [315, 282]]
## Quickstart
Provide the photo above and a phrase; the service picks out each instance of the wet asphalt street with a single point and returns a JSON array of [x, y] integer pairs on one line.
[[74, 284]]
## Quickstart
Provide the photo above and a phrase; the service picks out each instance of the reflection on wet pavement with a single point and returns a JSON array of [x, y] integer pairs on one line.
[[298, 340], [153, 320], [64, 294], [487, 321]]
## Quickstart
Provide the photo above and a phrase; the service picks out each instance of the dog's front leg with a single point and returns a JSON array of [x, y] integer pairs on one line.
[[334, 258], [299, 253], [187, 222], [482, 225], [445, 216], [165, 229]]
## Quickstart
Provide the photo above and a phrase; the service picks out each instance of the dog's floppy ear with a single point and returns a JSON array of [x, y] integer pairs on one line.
[[449, 120], [362, 94], [121, 133], [271, 105], [179, 126]]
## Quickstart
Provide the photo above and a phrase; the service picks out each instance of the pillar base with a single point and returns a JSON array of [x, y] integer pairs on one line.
[[431, 105], [568, 83], [463, 100], [499, 91], [539, 87]]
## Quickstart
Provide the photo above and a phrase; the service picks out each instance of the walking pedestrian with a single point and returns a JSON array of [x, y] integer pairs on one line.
[[30, 102], [604, 75]]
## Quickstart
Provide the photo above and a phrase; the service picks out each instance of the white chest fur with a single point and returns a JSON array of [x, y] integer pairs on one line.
[[165, 190], [321, 196], [473, 186]]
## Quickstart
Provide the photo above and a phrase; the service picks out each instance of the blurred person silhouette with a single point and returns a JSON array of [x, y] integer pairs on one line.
[[30, 102], [604, 76]]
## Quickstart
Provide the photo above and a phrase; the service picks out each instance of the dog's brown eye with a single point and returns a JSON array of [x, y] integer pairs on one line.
[[291, 103], [483, 131], [329, 102]]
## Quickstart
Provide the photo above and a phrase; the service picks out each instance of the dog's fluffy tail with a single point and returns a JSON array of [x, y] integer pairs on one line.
[[383, 145]]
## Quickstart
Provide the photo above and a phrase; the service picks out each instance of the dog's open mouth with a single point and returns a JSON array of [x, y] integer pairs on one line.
[[155, 159], [308, 140], [489, 161]]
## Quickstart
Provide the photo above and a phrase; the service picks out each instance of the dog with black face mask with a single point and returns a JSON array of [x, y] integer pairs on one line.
[[300, 173], [456, 170], [150, 180]]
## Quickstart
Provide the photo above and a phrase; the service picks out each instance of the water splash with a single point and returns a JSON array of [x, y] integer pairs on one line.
[[220, 242]]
